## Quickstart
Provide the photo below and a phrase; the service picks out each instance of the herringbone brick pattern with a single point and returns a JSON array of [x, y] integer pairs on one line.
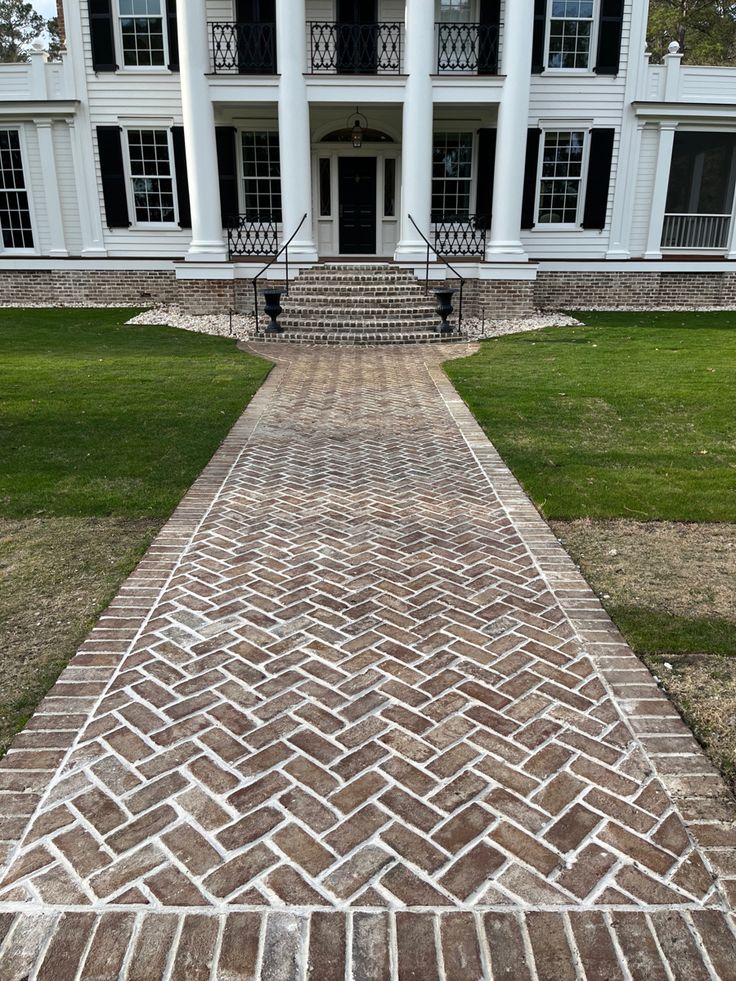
[[359, 700]]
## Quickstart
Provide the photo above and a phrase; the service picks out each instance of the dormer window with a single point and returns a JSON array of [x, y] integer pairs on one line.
[[570, 34], [142, 33]]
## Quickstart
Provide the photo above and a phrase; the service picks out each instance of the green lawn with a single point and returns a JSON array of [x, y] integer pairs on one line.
[[103, 427], [102, 419], [633, 415]]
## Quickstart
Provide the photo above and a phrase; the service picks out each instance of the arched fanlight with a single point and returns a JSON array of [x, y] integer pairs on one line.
[[358, 127]]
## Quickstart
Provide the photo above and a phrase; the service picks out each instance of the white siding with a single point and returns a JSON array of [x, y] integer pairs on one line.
[[141, 95], [591, 100]]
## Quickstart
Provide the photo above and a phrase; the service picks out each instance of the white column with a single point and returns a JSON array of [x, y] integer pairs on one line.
[[294, 129], [208, 244], [81, 135], [54, 218], [416, 142], [661, 186], [513, 122]]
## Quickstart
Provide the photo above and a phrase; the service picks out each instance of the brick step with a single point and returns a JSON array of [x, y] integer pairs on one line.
[[359, 324], [408, 308], [361, 338]]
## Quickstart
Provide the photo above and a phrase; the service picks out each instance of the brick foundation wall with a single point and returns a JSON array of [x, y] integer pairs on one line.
[[79, 287], [493, 299], [633, 290], [490, 298]]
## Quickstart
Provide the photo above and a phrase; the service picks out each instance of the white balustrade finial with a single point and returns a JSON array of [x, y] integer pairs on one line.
[[674, 48]]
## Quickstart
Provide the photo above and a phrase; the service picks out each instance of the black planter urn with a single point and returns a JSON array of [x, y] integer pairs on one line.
[[444, 309], [273, 309]]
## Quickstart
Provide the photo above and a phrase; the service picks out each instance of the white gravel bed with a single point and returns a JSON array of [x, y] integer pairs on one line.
[[243, 327], [239, 326]]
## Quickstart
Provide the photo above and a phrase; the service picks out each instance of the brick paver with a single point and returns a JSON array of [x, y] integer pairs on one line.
[[356, 715]]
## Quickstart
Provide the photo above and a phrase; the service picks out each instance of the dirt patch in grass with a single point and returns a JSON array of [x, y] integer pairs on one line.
[[670, 589], [56, 576], [704, 689], [685, 570]]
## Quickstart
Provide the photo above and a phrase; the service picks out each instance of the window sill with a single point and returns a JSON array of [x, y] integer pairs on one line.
[[569, 73]]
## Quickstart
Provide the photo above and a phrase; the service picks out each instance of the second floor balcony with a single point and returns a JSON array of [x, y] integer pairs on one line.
[[338, 48]]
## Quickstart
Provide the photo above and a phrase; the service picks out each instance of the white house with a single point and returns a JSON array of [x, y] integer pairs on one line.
[[179, 143]]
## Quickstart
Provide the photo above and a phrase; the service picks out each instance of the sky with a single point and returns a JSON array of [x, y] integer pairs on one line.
[[45, 7]]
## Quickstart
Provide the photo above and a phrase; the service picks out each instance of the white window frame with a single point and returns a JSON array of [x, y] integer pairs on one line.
[[164, 67], [35, 249], [473, 182], [583, 179], [257, 126], [134, 221], [594, 29]]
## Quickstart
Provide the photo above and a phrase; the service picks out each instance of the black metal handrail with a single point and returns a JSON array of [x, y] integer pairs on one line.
[[463, 235], [431, 248], [356, 49], [248, 49], [284, 249], [247, 235], [468, 48]]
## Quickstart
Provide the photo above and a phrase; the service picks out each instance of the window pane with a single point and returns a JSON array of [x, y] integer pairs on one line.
[[452, 171], [15, 213], [142, 32], [150, 172], [559, 188], [389, 188], [325, 188], [262, 175]]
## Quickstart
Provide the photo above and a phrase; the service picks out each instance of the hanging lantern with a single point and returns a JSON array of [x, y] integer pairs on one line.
[[357, 130]]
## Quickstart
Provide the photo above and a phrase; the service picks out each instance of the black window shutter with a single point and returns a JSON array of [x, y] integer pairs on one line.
[[539, 37], [227, 167], [599, 178], [102, 36], [112, 169], [609, 37], [530, 177], [173, 35], [486, 172], [182, 180], [490, 29]]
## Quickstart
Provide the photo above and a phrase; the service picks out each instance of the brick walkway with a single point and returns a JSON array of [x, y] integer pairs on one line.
[[356, 716]]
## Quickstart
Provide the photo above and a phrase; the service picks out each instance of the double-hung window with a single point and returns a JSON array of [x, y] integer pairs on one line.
[[261, 175], [142, 33], [15, 212], [455, 11], [151, 176], [452, 175], [561, 178], [570, 34]]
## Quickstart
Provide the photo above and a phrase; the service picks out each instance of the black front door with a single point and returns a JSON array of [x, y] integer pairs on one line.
[[357, 36], [256, 36], [357, 178]]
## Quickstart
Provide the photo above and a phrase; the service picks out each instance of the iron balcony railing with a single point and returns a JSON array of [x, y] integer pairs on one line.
[[244, 49], [681, 231], [356, 49], [461, 235], [249, 235], [469, 48]]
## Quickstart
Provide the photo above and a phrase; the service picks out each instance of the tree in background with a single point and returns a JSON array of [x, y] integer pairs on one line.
[[52, 29], [704, 29], [20, 25]]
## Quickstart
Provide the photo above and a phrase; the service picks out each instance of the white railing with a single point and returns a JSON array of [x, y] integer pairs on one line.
[[696, 231]]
